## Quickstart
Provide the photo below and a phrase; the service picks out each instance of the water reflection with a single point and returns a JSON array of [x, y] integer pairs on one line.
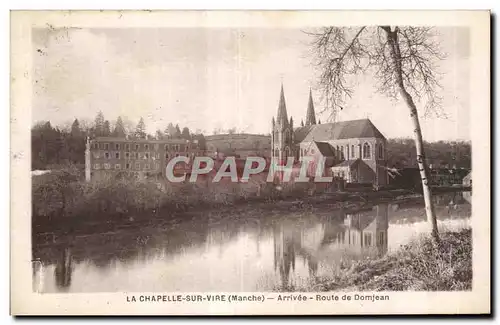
[[64, 269], [259, 250], [340, 237]]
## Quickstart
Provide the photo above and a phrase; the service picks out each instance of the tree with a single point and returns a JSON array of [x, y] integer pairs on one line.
[[170, 131], [403, 60], [159, 135], [202, 143], [119, 130], [99, 124], [231, 130], [75, 128], [177, 131], [106, 130], [186, 134], [140, 130]]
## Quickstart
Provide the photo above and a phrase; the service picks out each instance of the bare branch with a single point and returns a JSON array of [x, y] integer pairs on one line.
[[339, 54]]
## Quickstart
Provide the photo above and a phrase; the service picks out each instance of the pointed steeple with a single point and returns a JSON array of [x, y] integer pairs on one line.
[[311, 115], [282, 116]]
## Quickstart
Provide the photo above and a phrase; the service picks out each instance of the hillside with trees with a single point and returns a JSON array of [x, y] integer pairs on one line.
[[401, 153]]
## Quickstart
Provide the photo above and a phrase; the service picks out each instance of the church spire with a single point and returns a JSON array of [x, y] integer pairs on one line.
[[282, 117], [311, 115]]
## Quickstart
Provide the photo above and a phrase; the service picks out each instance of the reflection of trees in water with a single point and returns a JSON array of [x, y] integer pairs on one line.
[[357, 232], [286, 239], [64, 269], [127, 245], [447, 205], [149, 242]]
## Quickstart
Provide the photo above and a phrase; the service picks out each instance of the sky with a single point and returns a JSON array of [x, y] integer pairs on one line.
[[208, 79]]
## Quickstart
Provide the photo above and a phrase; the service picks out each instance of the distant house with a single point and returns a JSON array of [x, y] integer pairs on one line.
[[410, 177], [467, 181], [447, 176]]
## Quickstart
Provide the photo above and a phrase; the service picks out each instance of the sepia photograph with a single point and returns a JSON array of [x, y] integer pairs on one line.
[[247, 163]]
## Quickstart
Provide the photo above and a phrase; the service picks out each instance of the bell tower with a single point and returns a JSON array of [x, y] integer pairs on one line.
[[282, 132]]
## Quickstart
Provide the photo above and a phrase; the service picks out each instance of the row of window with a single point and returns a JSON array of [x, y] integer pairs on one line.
[[136, 155], [128, 165], [146, 146], [350, 154]]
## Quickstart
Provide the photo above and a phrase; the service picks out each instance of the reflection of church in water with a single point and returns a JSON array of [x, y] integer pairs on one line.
[[344, 235]]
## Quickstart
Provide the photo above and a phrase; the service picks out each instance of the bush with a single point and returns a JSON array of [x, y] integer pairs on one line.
[[63, 196]]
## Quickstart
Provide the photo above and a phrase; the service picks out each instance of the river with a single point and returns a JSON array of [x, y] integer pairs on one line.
[[253, 249]]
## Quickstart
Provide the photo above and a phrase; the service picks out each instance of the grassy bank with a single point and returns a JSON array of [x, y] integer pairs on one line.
[[418, 266], [62, 197]]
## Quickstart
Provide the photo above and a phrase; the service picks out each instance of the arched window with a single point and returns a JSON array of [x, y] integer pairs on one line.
[[287, 135], [353, 152], [342, 152], [380, 151], [366, 151], [347, 152], [276, 153], [287, 152]]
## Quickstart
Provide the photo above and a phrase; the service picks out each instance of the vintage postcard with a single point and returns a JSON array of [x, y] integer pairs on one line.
[[250, 163]]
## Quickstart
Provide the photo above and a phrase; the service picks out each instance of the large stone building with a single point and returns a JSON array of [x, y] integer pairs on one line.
[[112, 156], [354, 150]]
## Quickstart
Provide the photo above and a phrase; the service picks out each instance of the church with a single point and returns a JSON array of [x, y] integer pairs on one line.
[[353, 150]]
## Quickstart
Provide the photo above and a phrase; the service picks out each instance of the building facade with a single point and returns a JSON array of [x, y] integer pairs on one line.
[[353, 150], [134, 157]]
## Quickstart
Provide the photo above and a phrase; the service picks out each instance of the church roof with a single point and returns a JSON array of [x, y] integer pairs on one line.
[[300, 133], [325, 149], [348, 163], [363, 128]]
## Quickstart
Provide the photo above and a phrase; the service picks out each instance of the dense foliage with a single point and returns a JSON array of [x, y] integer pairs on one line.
[[401, 153]]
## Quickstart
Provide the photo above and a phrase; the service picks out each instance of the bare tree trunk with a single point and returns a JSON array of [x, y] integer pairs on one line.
[[392, 38]]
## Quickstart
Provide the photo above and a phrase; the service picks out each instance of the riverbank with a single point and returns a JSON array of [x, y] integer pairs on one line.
[[417, 266], [62, 202]]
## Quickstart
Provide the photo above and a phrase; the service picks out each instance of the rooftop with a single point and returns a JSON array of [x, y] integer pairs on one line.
[[133, 139], [363, 128]]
